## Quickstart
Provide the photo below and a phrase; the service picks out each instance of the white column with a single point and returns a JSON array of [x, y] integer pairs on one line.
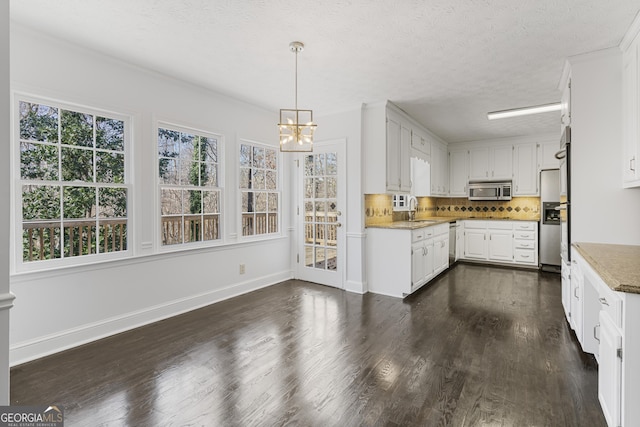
[[6, 298]]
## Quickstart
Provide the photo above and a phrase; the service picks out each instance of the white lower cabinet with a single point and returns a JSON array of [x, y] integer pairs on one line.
[[475, 243], [440, 252], [399, 261], [610, 370], [422, 257], [609, 323], [417, 264], [501, 244], [501, 241], [576, 299], [565, 275]]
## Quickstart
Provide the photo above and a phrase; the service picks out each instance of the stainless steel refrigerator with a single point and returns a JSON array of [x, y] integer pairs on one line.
[[550, 230]]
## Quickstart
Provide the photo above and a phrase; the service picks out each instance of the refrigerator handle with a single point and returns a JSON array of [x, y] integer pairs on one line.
[[562, 207], [561, 154]]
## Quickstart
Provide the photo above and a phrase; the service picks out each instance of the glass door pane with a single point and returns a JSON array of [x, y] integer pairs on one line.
[[321, 216]]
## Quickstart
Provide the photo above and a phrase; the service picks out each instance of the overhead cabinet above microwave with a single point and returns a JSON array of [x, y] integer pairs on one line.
[[491, 162]]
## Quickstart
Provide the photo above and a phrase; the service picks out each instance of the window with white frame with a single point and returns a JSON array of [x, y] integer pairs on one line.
[[73, 195], [190, 188], [259, 189]]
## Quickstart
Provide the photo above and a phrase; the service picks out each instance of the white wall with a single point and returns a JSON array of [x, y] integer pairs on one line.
[[348, 125], [602, 211], [59, 309], [5, 133]]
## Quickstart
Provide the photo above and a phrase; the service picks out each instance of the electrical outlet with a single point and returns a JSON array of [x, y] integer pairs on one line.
[[242, 269]]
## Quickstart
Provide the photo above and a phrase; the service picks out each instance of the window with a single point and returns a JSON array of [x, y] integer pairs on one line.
[[260, 189], [74, 188], [189, 175]]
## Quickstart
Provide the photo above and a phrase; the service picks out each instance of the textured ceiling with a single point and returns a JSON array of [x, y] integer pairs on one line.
[[445, 62]]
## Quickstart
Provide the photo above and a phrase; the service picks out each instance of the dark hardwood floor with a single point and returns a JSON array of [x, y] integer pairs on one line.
[[482, 346]]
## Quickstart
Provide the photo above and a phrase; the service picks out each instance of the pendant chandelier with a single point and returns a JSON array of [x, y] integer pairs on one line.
[[296, 126]]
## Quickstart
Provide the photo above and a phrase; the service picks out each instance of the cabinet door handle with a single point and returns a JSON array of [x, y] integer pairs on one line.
[[632, 163], [595, 329], [575, 292], [603, 301]]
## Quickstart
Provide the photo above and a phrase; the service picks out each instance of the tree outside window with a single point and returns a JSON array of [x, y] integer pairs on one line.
[[74, 190], [188, 171], [259, 189]]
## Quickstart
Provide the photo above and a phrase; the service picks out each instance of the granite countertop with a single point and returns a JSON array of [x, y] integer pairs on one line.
[[435, 220], [617, 265], [413, 225]]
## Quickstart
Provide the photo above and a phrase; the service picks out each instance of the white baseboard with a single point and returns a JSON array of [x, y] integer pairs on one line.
[[355, 287], [49, 344]]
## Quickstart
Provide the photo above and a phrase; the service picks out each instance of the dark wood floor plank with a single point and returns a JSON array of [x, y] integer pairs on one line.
[[481, 346]]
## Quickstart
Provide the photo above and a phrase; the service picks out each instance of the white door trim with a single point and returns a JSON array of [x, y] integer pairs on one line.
[[330, 278]]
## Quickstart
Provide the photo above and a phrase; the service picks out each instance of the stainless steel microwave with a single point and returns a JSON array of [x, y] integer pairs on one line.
[[489, 190]]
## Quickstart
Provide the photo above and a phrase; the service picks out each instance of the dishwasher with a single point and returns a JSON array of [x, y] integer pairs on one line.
[[453, 238]]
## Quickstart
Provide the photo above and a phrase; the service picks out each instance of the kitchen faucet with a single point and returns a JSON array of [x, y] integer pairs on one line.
[[413, 207]]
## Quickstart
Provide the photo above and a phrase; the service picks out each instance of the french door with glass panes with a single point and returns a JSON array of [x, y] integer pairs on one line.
[[321, 215]]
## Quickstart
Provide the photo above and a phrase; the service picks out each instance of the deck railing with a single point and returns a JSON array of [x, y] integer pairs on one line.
[[41, 239], [195, 228], [326, 236], [259, 223]]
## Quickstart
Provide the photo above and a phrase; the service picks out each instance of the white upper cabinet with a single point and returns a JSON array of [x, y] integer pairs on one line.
[[386, 159], [405, 156], [391, 137], [420, 142], [490, 163], [525, 171], [479, 163], [630, 111], [458, 172], [502, 162], [393, 153], [439, 169], [547, 155]]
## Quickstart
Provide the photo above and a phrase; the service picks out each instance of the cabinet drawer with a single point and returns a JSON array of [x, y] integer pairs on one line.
[[611, 304], [524, 244], [531, 226], [440, 229], [475, 224], [526, 256], [524, 235], [500, 225], [417, 235]]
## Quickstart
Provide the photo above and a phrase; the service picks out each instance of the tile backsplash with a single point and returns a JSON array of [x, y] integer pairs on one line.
[[516, 208], [379, 208]]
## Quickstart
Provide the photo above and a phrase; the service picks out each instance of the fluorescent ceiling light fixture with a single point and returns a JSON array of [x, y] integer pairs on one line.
[[514, 112]]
